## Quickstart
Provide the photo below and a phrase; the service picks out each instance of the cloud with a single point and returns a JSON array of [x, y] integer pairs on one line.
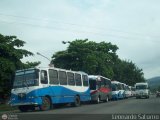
[[132, 25]]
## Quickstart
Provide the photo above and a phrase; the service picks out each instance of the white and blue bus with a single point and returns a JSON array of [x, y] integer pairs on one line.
[[115, 90], [122, 90], [118, 91], [44, 87]]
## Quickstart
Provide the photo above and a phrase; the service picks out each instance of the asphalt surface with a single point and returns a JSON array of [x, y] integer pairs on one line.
[[98, 111]]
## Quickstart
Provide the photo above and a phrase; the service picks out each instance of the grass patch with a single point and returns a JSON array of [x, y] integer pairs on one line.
[[6, 107]]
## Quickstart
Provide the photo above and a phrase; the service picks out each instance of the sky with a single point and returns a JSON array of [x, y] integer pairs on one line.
[[132, 25]]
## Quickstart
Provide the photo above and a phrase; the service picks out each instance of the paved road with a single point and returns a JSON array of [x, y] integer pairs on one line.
[[127, 106]]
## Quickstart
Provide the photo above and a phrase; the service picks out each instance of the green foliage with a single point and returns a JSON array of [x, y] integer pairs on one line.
[[98, 59], [30, 64], [127, 72], [88, 56], [10, 60]]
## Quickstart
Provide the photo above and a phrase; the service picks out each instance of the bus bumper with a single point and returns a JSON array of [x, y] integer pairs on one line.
[[26, 103]]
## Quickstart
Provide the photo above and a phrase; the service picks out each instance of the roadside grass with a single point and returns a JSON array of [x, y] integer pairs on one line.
[[6, 107]]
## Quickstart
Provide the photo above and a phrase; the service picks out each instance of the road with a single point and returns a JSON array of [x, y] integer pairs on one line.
[[126, 106], [129, 106]]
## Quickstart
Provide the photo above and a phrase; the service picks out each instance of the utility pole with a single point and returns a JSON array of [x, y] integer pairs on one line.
[[51, 65]]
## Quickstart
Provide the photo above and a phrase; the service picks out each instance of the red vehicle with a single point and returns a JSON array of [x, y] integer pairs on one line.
[[100, 88]]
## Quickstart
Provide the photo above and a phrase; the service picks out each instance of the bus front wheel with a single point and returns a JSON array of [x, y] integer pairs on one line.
[[46, 104], [107, 99], [23, 108]]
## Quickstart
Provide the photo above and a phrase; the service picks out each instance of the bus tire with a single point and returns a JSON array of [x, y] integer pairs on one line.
[[23, 108], [46, 104], [77, 101], [98, 100], [107, 99]]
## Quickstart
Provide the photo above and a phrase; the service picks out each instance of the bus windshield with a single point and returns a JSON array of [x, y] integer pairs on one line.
[[141, 87], [120, 86], [26, 78], [114, 87]]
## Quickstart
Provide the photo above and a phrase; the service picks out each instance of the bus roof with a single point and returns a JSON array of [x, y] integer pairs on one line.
[[96, 76], [115, 82], [46, 68], [142, 83], [22, 70]]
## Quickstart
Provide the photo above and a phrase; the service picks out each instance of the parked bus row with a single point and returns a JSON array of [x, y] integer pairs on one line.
[[45, 87], [121, 90]]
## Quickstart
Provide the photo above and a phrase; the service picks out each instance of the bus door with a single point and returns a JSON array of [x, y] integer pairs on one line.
[[44, 78]]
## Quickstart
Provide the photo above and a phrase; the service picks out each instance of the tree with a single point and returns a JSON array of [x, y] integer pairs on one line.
[[87, 56], [10, 59], [127, 72], [30, 64], [98, 59]]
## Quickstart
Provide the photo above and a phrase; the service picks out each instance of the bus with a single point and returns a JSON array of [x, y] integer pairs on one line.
[[115, 90], [44, 87], [122, 90], [142, 90], [133, 91], [118, 91], [127, 91], [100, 88]]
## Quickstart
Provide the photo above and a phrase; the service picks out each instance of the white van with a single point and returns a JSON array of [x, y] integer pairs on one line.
[[142, 90]]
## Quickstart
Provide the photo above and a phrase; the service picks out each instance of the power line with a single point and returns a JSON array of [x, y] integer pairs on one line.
[[65, 29], [72, 24]]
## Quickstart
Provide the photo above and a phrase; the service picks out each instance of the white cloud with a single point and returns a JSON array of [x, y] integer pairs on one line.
[[133, 25]]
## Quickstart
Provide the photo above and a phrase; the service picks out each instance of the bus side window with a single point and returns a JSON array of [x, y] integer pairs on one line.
[[62, 78], [44, 78], [103, 82], [78, 79], [98, 84], [53, 77], [71, 80]]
